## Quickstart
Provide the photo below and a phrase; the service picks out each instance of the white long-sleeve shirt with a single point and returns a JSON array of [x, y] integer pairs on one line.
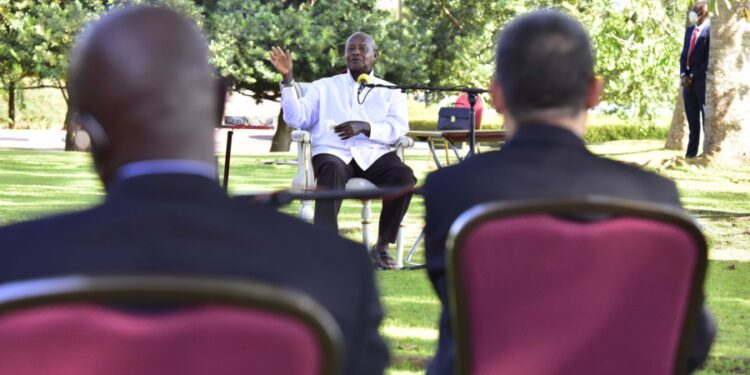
[[331, 101]]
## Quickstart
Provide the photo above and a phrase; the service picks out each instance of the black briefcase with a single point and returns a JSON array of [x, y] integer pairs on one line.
[[452, 118]]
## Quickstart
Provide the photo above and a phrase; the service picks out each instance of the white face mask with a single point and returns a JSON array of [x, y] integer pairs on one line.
[[693, 17]]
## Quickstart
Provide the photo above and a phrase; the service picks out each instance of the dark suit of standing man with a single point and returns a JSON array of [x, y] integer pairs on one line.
[[693, 67], [544, 84], [141, 82]]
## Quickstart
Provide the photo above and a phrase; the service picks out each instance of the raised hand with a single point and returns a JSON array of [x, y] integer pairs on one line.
[[282, 61]]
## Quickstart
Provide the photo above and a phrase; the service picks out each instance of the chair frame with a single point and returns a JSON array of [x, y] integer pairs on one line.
[[482, 213], [20, 295]]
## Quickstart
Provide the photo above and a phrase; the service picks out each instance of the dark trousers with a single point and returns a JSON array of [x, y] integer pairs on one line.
[[695, 102], [388, 171]]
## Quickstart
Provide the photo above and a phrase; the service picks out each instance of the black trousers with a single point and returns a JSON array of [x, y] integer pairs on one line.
[[695, 102], [388, 171]]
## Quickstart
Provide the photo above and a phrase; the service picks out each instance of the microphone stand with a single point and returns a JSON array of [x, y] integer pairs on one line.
[[471, 92]]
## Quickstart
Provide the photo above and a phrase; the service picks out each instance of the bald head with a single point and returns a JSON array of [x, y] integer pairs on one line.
[[360, 53], [141, 81]]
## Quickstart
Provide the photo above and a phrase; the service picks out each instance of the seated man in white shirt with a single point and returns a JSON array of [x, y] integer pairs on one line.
[[351, 139]]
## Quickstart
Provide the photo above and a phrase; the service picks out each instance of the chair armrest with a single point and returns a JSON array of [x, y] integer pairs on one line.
[[404, 142], [301, 136], [401, 144]]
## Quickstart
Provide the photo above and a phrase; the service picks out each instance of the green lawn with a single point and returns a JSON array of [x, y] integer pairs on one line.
[[35, 183]]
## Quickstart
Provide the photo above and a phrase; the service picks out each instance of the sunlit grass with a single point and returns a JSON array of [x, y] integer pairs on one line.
[[35, 183]]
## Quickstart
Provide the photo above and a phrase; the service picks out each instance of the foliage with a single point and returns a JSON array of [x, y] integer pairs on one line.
[[243, 32], [594, 134], [458, 36], [637, 44], [599, 134], [37, 36]]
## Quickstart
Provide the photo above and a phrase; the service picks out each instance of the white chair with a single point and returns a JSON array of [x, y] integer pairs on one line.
[[305, 181]]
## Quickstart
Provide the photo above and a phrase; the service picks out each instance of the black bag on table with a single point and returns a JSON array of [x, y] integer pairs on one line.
[[453, 118]]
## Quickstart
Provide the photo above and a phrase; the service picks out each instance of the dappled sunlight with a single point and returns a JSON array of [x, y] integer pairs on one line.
[[411, 299], [741, 255], [34, 184], [410, 332], [741, 301]]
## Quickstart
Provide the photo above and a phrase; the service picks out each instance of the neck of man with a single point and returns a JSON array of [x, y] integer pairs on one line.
[[561, 118]]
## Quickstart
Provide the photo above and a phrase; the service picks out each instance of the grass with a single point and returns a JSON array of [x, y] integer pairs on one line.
[[35, 183]]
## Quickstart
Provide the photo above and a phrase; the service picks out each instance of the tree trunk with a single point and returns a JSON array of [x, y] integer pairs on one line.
[[282, 139], [12, 104], [728, 87], [676, 139], [75, 138]]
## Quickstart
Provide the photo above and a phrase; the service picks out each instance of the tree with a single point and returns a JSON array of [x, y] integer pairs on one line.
[[16, 43], [61, 21], [634, 43], [243, 32], [46, 32], [676, 137], [728, 85], [458, 36]]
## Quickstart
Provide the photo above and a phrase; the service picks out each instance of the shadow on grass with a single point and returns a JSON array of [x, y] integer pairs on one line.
[[632, 152], [714, 365], [725, 365], [410, 361], [713, 214]]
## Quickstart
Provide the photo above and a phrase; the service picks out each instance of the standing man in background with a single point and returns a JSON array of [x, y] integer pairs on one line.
[[351, 131], [693, 67]]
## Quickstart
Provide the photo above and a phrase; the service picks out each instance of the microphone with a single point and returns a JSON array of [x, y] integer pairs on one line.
[[362, 80]]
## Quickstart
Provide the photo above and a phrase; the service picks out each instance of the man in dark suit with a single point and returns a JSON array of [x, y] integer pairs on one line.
[[544, 83], [693, 67], [141, 82]]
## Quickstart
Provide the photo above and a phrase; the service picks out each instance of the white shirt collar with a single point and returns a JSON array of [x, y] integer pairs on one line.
[[354, 81], [702, 26]]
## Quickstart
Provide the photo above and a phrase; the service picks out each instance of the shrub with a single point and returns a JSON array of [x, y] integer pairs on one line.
[[594, 134], [598, 134]]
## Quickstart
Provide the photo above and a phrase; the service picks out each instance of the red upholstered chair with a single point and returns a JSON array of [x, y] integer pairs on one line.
[[63, 326], [534, 293]]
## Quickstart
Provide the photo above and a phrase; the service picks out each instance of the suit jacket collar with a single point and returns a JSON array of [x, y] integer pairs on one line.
[[165, 187], [540, 134], [704, 30]]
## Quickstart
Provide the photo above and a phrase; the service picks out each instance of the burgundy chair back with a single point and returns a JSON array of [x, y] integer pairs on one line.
[[74, 338], [533, 293]]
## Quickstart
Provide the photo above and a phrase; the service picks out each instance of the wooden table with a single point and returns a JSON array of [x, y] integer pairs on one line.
[[451, 139]]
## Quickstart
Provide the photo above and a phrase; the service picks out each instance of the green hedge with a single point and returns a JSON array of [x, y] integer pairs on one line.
[[594, 134], [604, 133]]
